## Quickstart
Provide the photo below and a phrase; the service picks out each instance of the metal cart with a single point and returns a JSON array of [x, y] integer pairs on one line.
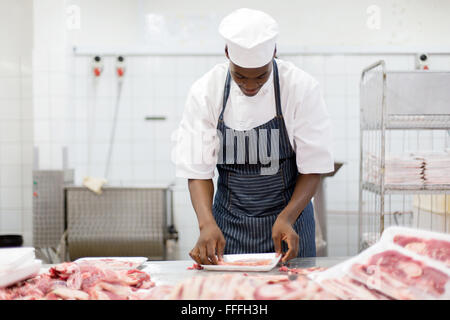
[[401, 113]]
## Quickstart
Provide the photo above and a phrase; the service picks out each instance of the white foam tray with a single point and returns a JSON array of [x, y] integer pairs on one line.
[[22, 272], [236, 257], [11, 258]]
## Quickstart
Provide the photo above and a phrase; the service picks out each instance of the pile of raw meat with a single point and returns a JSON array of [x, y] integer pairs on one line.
[[249, 287], [434, 248], [97, 280], [81, 281], [403, 264]]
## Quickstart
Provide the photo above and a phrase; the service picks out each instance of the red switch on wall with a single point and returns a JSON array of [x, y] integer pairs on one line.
[[120, 66], [97, 66], [97, 72]]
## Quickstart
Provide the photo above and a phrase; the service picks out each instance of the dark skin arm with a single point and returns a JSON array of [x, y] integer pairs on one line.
[[282, 230], [211, 242]]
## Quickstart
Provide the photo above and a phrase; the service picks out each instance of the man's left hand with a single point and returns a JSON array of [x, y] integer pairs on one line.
[[282, 231]]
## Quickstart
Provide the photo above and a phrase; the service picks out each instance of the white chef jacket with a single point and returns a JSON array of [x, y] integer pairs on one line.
[[304, 111]]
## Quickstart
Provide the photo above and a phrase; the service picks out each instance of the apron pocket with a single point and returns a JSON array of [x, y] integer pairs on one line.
[[257, 195]]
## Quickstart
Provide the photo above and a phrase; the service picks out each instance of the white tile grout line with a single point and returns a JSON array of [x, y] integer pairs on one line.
[[0, 194], [21, 151]]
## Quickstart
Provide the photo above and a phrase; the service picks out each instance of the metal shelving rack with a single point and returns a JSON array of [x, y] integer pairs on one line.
[[401, 112]]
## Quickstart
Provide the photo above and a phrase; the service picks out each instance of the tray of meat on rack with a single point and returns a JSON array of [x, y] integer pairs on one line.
[[433, 245], [399, 273]]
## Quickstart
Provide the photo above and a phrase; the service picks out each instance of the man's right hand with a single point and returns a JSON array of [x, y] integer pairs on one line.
[[210, 245]]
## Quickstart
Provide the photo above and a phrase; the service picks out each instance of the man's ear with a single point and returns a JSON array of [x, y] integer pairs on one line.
[[226, 52]]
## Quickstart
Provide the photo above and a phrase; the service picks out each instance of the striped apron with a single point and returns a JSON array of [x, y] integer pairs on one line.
[[252, 192]]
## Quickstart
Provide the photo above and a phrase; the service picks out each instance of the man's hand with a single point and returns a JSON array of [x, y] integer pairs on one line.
[[282, 231], [209, 246]]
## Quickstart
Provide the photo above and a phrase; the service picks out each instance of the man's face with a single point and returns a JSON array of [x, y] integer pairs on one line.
[[250, 80]]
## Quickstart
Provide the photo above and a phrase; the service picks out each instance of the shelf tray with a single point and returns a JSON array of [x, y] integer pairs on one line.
[[410, 189], [441, 122]]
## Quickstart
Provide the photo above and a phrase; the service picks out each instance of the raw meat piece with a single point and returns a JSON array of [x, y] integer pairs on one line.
[[31, 289], [195, 266], [301, 271], [401, 276], [64, 270], [349, 289], [238, 287], [86, 275], [155, 293], [67, 294], [115, 264], [273, 291], [137, 279], [4, 295], [433, 248], [269, 279], [243, 262], [246, 262], [109, 291], [300, 289], [225, 286]]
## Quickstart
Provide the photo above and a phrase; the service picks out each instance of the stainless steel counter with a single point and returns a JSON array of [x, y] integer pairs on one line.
[[172, 272]]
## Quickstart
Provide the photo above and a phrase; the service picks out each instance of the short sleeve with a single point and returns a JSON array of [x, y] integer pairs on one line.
[[313, 133]]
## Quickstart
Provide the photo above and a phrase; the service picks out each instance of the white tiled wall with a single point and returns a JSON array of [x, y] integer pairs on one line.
[[51, 93], [16, 144], [16, 118], [152, 86]]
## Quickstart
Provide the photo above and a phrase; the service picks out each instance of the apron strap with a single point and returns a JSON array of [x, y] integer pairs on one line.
[[226, 93], [276, 84]]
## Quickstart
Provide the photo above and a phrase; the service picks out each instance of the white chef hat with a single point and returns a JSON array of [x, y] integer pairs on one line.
[[250, 37]]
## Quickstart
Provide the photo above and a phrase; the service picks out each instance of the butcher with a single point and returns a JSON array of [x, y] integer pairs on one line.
[[263, 124]]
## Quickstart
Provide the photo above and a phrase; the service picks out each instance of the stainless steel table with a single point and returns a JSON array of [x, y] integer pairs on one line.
[[172, 272]]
